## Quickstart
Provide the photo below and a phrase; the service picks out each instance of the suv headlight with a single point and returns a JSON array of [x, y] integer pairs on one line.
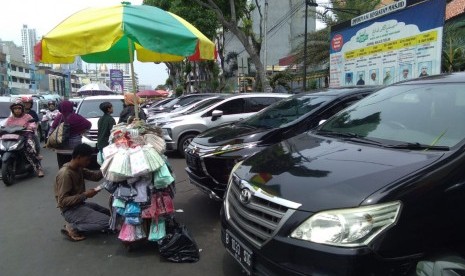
[[167, 132], [348, 227], [161, 122]]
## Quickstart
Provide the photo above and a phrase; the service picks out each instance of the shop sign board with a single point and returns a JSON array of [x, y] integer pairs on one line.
[[394, 43]]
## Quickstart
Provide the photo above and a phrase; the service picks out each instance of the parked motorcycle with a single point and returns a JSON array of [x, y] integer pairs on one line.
[[12, 150]]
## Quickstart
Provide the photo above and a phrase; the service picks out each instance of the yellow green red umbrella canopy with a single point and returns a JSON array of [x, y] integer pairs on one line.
[[112, 34]]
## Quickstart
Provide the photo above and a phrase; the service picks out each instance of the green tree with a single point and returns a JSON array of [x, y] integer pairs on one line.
[[453, 50], [204, 20], [281, 79], [335, 12], [235, 16]]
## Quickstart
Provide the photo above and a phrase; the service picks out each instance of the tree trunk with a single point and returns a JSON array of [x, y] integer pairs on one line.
[[232, 26]]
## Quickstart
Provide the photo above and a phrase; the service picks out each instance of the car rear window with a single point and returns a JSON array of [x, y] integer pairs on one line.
[[286, 111], [4, 109], [90, 108]]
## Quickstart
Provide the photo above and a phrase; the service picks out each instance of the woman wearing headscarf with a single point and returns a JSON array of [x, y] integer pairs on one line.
[[78, 125], [19, 117], [130, 99]]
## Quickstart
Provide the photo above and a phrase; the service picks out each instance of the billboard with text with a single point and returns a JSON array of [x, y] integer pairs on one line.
[[394, 43], [116, 81]]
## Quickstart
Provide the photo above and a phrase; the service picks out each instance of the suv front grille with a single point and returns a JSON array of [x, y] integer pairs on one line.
[[219, 168], [259, 217], [92, 135], [193, 162]]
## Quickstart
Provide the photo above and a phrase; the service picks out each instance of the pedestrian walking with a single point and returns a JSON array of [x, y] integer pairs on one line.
[[105, 124], [78, 125]]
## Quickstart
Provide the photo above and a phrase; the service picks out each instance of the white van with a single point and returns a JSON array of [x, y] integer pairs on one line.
[[89, 109]]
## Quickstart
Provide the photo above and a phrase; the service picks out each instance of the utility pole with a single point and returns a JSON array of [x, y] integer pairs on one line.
[[312, 4], [304, 85], [265, 54]]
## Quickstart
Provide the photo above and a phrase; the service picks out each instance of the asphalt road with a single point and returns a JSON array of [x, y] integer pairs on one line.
[[31, 243]]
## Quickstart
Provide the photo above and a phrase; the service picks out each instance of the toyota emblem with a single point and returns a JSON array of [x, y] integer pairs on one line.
[[246, 196]]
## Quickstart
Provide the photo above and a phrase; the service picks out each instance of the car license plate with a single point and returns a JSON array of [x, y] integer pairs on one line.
[[241, 253]]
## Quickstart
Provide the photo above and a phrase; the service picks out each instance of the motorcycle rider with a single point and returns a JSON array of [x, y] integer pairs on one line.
[[28, 103], [19, 117], [50, 115]]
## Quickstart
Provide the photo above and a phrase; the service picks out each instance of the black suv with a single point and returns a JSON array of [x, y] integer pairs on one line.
[[373, 190], [212, 154]]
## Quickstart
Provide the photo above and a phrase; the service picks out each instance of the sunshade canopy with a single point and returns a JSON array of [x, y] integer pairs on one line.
[[112, 34]]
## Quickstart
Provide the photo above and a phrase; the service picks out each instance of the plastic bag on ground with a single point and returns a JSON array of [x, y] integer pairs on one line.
[[179, 246]]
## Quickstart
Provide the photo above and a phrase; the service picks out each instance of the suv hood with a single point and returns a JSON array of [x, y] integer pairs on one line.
[[235, 133], [324, 173]]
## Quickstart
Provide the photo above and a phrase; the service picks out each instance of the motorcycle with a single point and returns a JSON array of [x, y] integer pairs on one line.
[[12, 150]]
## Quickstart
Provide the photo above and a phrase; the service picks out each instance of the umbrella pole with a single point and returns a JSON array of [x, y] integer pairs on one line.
[[134, 88]]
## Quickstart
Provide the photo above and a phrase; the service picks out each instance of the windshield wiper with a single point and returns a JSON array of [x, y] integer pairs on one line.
[[418, 146], [349, 136]]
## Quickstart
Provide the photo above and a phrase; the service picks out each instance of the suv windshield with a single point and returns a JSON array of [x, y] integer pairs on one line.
[[90, 108], [426, 114], [286, 111]]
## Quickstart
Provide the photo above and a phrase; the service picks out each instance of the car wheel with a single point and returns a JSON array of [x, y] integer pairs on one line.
[[184, 142]]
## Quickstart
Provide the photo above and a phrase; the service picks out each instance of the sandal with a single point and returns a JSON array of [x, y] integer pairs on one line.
[[40, 173], [70, 234]]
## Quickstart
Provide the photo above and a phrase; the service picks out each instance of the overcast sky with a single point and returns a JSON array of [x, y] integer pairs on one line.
[[44, 15]]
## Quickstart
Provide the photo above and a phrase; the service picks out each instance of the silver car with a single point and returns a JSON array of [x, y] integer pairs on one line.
[[180, 130]]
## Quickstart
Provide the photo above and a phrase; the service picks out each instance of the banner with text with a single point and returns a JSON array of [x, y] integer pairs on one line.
[[116, 81], [391, 44]]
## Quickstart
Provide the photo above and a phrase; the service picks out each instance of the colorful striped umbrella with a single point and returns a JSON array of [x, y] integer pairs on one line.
[[112, 34]]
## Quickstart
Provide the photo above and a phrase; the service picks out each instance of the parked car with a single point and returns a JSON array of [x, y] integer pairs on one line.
[[180, 101], [148, 105], [184, 110], [212, 154], [76, 102], [180, 130], [5, 112], [372, 191], [89, 109]]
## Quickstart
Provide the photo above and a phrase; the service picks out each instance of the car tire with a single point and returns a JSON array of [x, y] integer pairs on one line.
[[184, 142], [8, 176]]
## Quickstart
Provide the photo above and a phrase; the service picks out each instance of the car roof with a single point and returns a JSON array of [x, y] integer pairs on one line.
[[5, 99], [458, 77], [342, 91], [103, 97]]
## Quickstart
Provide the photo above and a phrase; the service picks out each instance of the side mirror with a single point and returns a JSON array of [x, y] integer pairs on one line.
[[321, 122], [216, 114]]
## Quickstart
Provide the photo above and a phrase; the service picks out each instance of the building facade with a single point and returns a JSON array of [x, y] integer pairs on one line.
[[28, 39]]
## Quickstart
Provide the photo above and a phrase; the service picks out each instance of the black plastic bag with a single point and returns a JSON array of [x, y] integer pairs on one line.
[[179, 246]]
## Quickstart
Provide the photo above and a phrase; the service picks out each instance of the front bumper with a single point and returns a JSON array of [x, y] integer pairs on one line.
[[282, 255], [207, 185]]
